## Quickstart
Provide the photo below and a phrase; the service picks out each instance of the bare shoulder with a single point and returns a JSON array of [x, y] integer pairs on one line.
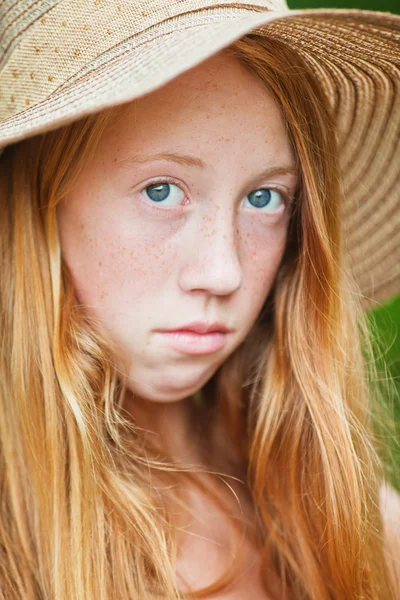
[[390, 511], [390, 503]]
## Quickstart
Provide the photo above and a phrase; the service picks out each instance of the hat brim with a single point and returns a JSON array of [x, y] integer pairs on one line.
[[355, 54]]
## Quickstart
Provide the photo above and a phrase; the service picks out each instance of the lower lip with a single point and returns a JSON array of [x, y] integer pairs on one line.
[[195, 343]]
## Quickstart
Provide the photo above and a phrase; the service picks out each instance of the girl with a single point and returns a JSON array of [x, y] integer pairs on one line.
[[187, 384]]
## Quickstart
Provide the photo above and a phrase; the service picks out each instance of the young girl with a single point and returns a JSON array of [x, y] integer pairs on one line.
[[187, 385]]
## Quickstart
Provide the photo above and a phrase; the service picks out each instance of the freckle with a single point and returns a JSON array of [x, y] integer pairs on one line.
[[100, 264]]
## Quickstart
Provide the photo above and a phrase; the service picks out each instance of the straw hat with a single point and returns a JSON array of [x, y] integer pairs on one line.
[[63, 59]]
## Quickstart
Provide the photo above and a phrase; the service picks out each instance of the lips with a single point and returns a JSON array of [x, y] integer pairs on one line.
[[191, 342], [197, 337], [201, 327]]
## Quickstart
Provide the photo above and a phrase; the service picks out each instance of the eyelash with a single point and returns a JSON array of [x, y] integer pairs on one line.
[[287, 199]]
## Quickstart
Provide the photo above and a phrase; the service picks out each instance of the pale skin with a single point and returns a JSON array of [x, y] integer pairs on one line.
[[205, 252]]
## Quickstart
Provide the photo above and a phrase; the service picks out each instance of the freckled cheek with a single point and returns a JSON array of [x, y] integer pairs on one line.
[[262, 252], [123, 268]]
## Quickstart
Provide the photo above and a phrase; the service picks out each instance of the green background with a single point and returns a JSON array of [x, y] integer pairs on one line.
[[385, 321], [384, 6], [386, 318]]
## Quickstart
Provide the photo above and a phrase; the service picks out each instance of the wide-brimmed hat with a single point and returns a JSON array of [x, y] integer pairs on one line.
[[63, 59]]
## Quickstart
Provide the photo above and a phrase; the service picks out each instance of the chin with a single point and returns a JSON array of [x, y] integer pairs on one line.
[[168, 391]]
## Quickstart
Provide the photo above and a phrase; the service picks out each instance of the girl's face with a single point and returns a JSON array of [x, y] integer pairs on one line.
[[176, 220]]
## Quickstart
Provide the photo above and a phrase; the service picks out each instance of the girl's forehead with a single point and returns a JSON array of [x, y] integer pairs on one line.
[[207, 104], [220, 85]]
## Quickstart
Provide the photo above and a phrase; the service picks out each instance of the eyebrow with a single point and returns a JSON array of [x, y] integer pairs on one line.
[[193, 161]]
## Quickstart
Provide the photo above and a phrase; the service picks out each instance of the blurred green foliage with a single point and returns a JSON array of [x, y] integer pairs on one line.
[[392, 6], [386, 318], [385, 325]]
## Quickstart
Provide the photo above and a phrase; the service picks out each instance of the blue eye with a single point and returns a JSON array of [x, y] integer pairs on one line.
[[158, 192], [166, 193], [264, 197]]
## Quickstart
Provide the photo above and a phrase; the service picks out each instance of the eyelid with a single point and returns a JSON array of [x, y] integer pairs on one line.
[[166, 179]]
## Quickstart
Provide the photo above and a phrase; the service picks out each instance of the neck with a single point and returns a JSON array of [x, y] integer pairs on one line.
[[169, 424]]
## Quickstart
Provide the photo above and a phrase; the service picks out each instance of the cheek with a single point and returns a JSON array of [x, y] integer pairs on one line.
[[263, 249], [115, 260]]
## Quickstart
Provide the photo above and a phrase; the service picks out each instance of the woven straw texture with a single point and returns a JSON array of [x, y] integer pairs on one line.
[[63, 59]]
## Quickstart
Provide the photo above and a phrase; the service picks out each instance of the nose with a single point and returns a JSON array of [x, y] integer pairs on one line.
[[212, 263]]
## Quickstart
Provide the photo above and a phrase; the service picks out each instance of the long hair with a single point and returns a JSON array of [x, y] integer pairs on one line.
[[81, 516]]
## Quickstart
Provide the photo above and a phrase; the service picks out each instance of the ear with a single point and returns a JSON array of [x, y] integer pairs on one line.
[[390, 511]]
